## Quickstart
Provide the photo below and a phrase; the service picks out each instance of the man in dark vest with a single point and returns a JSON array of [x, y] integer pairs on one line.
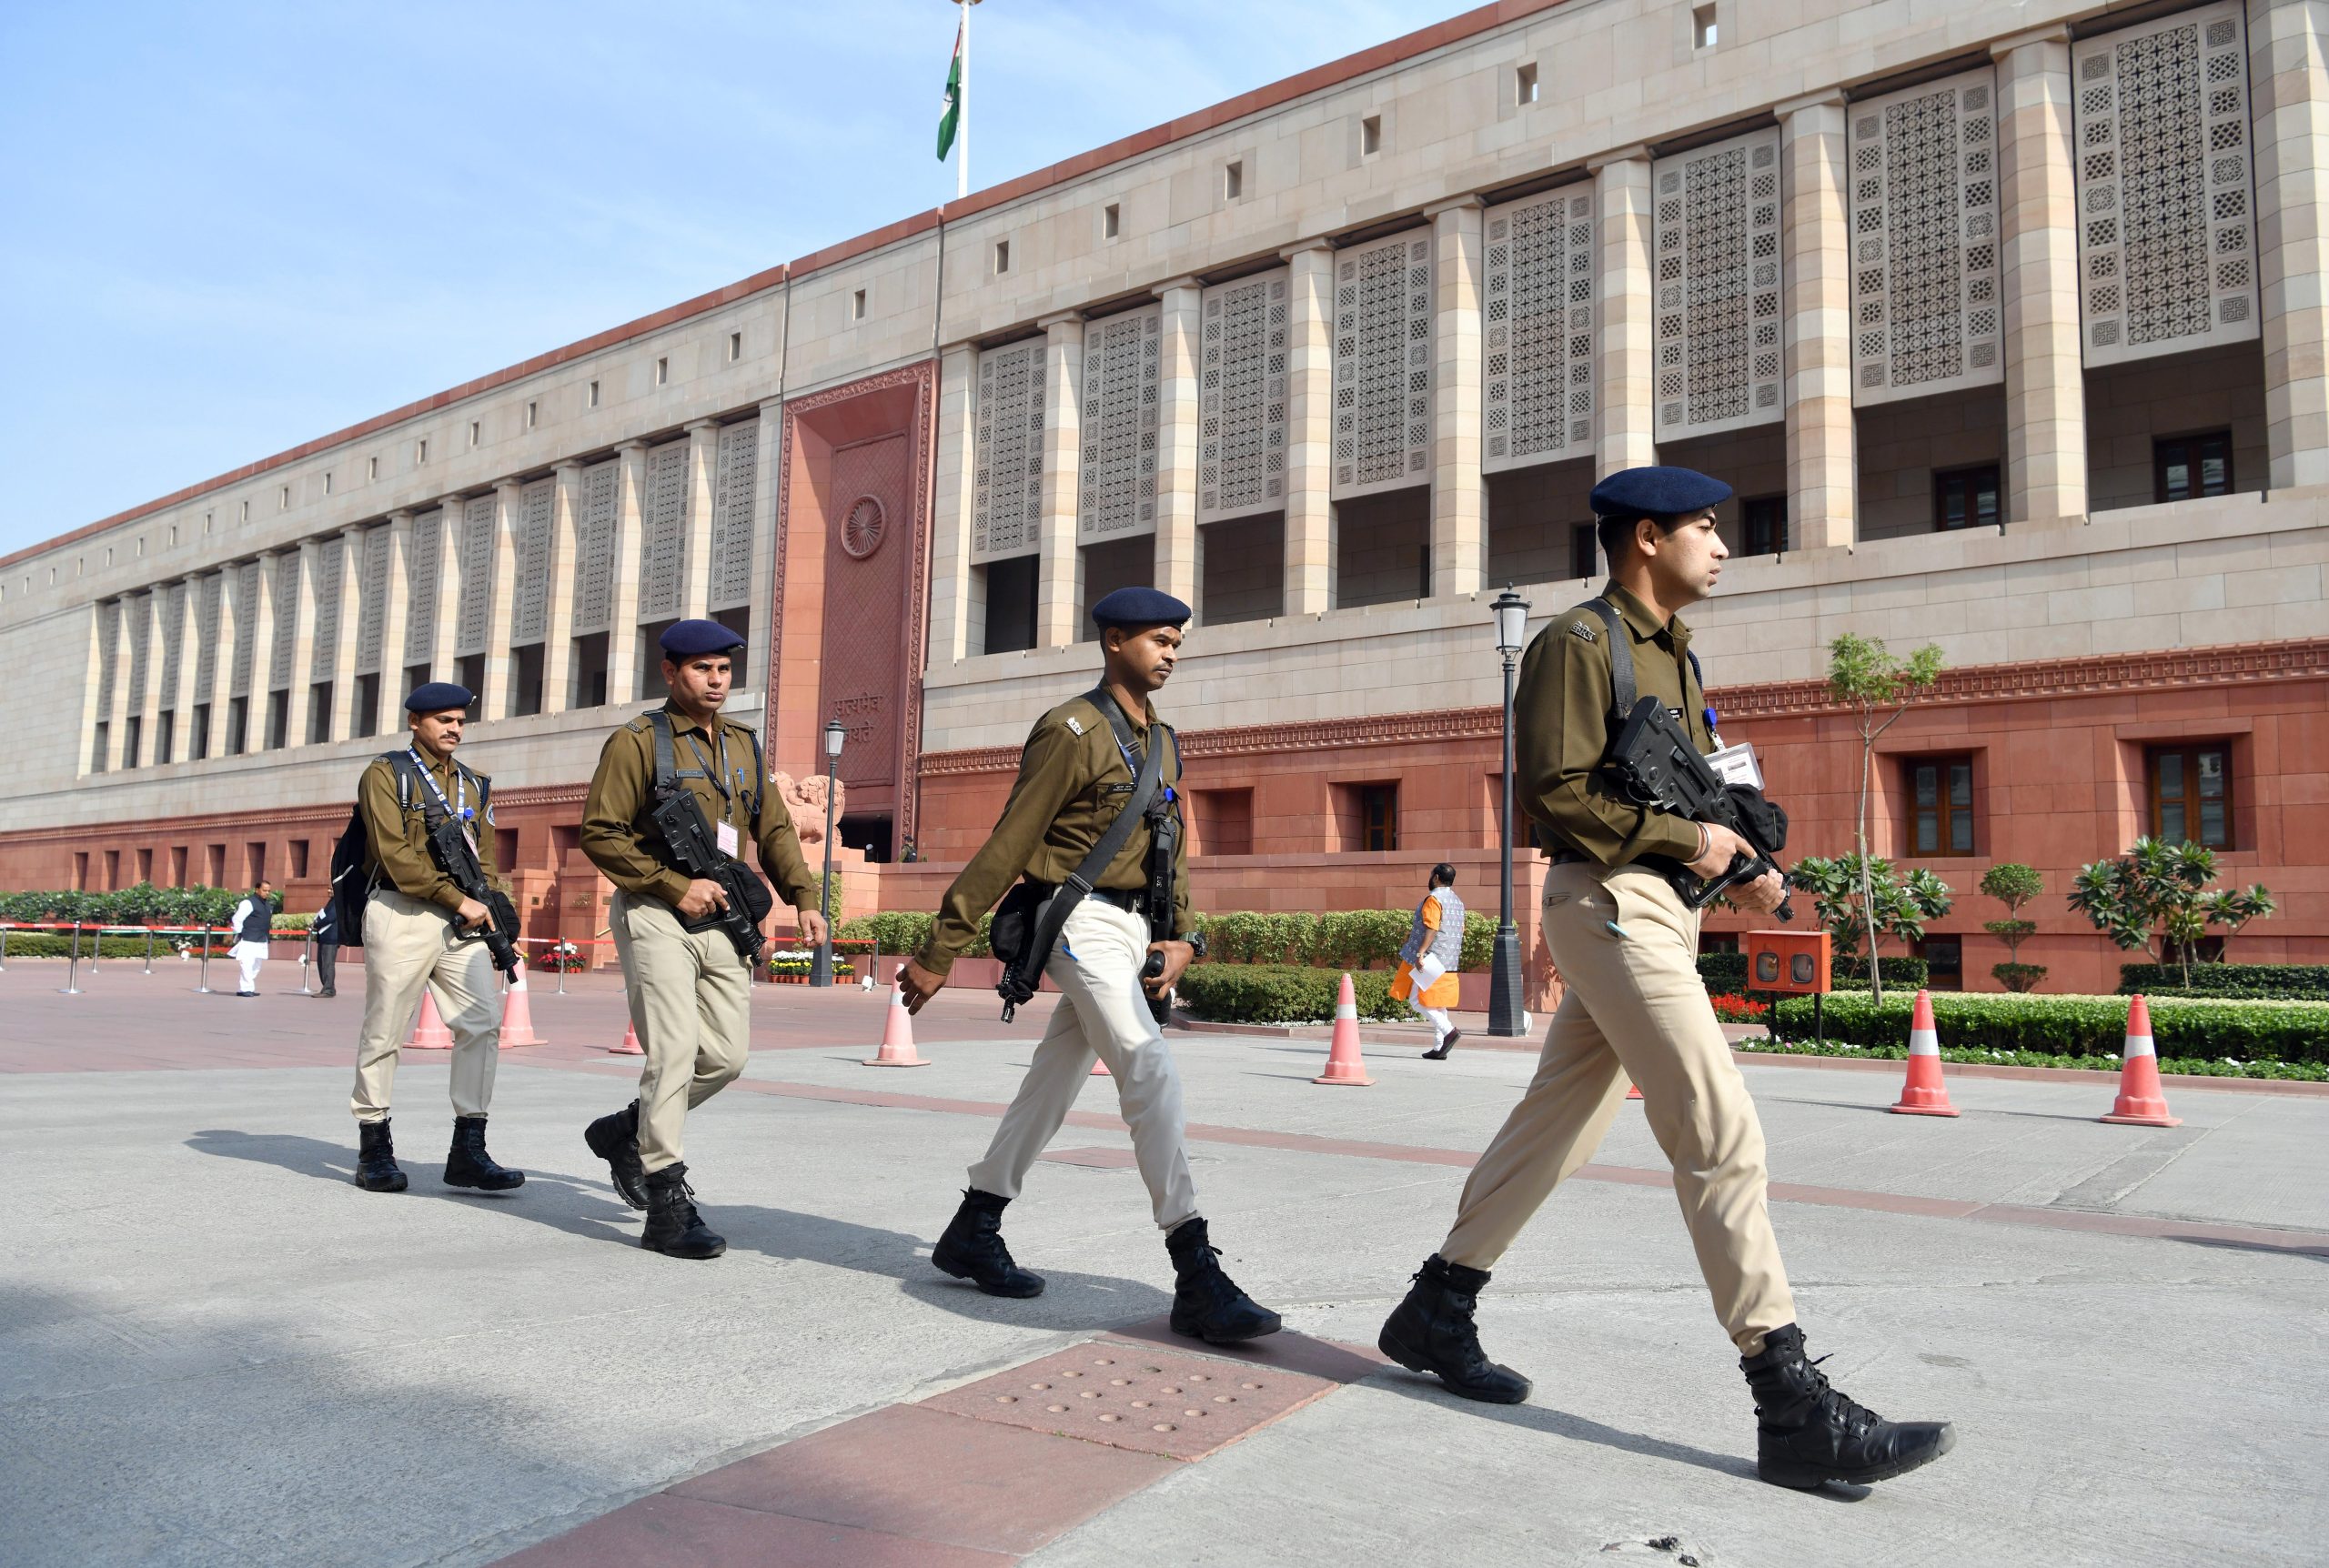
[[252, 920], [421, 934]]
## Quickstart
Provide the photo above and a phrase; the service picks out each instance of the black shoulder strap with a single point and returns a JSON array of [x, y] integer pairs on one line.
[[1143, 789], [408, 786], [759, 776], [1621, 662], [668, 772]]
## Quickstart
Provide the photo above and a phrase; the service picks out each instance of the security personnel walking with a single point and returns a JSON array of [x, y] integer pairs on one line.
[[689, 985], [422, 933], [1076, 775], [1626, 944]]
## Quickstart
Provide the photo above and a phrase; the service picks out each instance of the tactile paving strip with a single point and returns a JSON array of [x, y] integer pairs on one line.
[[1131, 1397]]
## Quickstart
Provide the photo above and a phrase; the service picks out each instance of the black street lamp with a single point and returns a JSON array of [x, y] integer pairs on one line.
[[820, 972], [1506, 1013]]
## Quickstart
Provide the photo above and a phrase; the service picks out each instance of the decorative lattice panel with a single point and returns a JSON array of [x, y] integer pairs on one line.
[[173, 602], [1718, 281], [662, 540], [1117, 493], [475, 545], [139, 608], [1536, 330], [108, 653], [423, 556], [1241, 415], [249, 586], [734, 494], [2167, 236], [1383, 364], [529, 604], [211, 592], [372, 599], [594, 550], [283, 602], [324, 637], [1007, 477], [1926, 316]]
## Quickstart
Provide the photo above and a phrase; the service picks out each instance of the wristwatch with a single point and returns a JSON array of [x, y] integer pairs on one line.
[[1196, 942]]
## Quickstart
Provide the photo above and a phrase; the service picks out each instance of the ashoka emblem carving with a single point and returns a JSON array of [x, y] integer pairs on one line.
[[861, 530]]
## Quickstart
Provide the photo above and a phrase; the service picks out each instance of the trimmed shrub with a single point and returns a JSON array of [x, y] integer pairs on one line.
[[2206, 1029], [2019, 978], [50, 945], [1360, 938], [898, 930], [2289, 982], [1282, 993], [132, 906], [2300, 1072]]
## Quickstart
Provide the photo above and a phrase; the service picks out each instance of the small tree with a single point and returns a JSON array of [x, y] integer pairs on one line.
[[1865, 676], [1857, 898], [2156, 896], [2014, 885]]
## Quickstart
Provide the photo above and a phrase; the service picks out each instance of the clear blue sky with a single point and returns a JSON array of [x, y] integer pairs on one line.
[[228, 228]]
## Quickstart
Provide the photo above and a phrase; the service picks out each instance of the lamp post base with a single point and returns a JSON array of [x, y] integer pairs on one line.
[[1507, 1017]]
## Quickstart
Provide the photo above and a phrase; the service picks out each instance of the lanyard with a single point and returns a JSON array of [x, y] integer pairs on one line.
[[716, 770], [460, 805]]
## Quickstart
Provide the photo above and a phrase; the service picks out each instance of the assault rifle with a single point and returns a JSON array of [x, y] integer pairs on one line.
[[449, 847], [1654, 761], [695, 853]]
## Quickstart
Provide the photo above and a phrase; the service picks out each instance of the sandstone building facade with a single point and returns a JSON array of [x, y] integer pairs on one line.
[[2006, 320]]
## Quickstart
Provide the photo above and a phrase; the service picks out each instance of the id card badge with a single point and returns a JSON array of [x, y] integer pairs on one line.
[[728, 842], [1736, 765]]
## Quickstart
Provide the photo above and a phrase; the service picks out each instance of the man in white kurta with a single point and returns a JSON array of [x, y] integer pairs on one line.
[[252, 918]]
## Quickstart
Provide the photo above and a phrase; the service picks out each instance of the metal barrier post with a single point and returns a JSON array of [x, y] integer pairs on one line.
[[72, 970], [202, 985], [307, 947], [4, 948], [96, 949], [149, 950]]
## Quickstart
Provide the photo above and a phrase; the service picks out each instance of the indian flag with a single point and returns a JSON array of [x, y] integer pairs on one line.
[[952, 120]]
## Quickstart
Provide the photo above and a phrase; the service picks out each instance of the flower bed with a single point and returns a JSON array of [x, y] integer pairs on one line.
[[2082, 1027], [2194, 1067]]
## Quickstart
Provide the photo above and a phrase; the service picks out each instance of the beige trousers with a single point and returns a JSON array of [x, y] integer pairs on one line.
[[1102, 1012], [409, 946], [691, 1003], [1635, 1007]]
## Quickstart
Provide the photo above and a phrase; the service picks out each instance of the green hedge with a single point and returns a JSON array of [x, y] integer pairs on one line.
[[904, 931], [133, 906], [2095, 1026], [48, 944], [1351, 939], [1282, 993], [2303, 1071], [2280, 982]]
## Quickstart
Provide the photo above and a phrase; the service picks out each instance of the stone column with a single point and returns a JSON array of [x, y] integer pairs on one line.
[[1817, 288], [147, 702], [501, 592], [262, 617], [1459, 490], [349, 610], [622, 625], [220, 698], [181, 697], [444, 662], [1624, 392], [1060, 566], [1177, 401], [557, 600], [767, 477], [395, 615], [2045, 375], [303, 641], [695, 562], [950, 500], [1309, 429], [2288, 84]]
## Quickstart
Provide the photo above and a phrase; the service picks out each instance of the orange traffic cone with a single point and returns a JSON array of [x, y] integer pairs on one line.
[[1342, 1063], [429, 1030], [897, 1037], [1924, 1094], [1633, 1091], [2142, 1102], [518, 1015], [1099, 1070], [629, 1046]]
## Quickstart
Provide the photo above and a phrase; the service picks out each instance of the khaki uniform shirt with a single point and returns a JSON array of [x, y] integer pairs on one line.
[[397, 834], [621, 841], [1562, 731], [1073, 781]]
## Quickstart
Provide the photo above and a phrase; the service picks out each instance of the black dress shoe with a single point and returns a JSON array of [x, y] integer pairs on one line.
[[375, 1158], [1206, 1302], [673, 1227], [466, 1164], [1808, 1433], [972, 1248], [1432, 1331], [1445, 1046]]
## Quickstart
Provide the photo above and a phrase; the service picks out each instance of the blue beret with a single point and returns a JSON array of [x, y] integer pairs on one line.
[[1665, 492], [439, 697], [1140, 607], [693, 639]]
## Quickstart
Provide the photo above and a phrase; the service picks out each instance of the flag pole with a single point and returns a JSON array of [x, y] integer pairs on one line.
[[962, 128]]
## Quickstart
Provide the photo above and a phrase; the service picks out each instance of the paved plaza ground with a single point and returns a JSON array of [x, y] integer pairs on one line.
[[215, 1350]]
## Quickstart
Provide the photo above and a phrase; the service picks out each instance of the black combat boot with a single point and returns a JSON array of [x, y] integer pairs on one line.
[[466, 1164], [673, 1227], [1206, 1302], [972, 1248], [1432, 1331], [615, 1140], [375, 1158], [1445, 1046], [1808, 1432]]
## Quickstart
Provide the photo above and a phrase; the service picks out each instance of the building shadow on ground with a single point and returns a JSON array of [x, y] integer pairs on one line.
[[588, 1207]]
